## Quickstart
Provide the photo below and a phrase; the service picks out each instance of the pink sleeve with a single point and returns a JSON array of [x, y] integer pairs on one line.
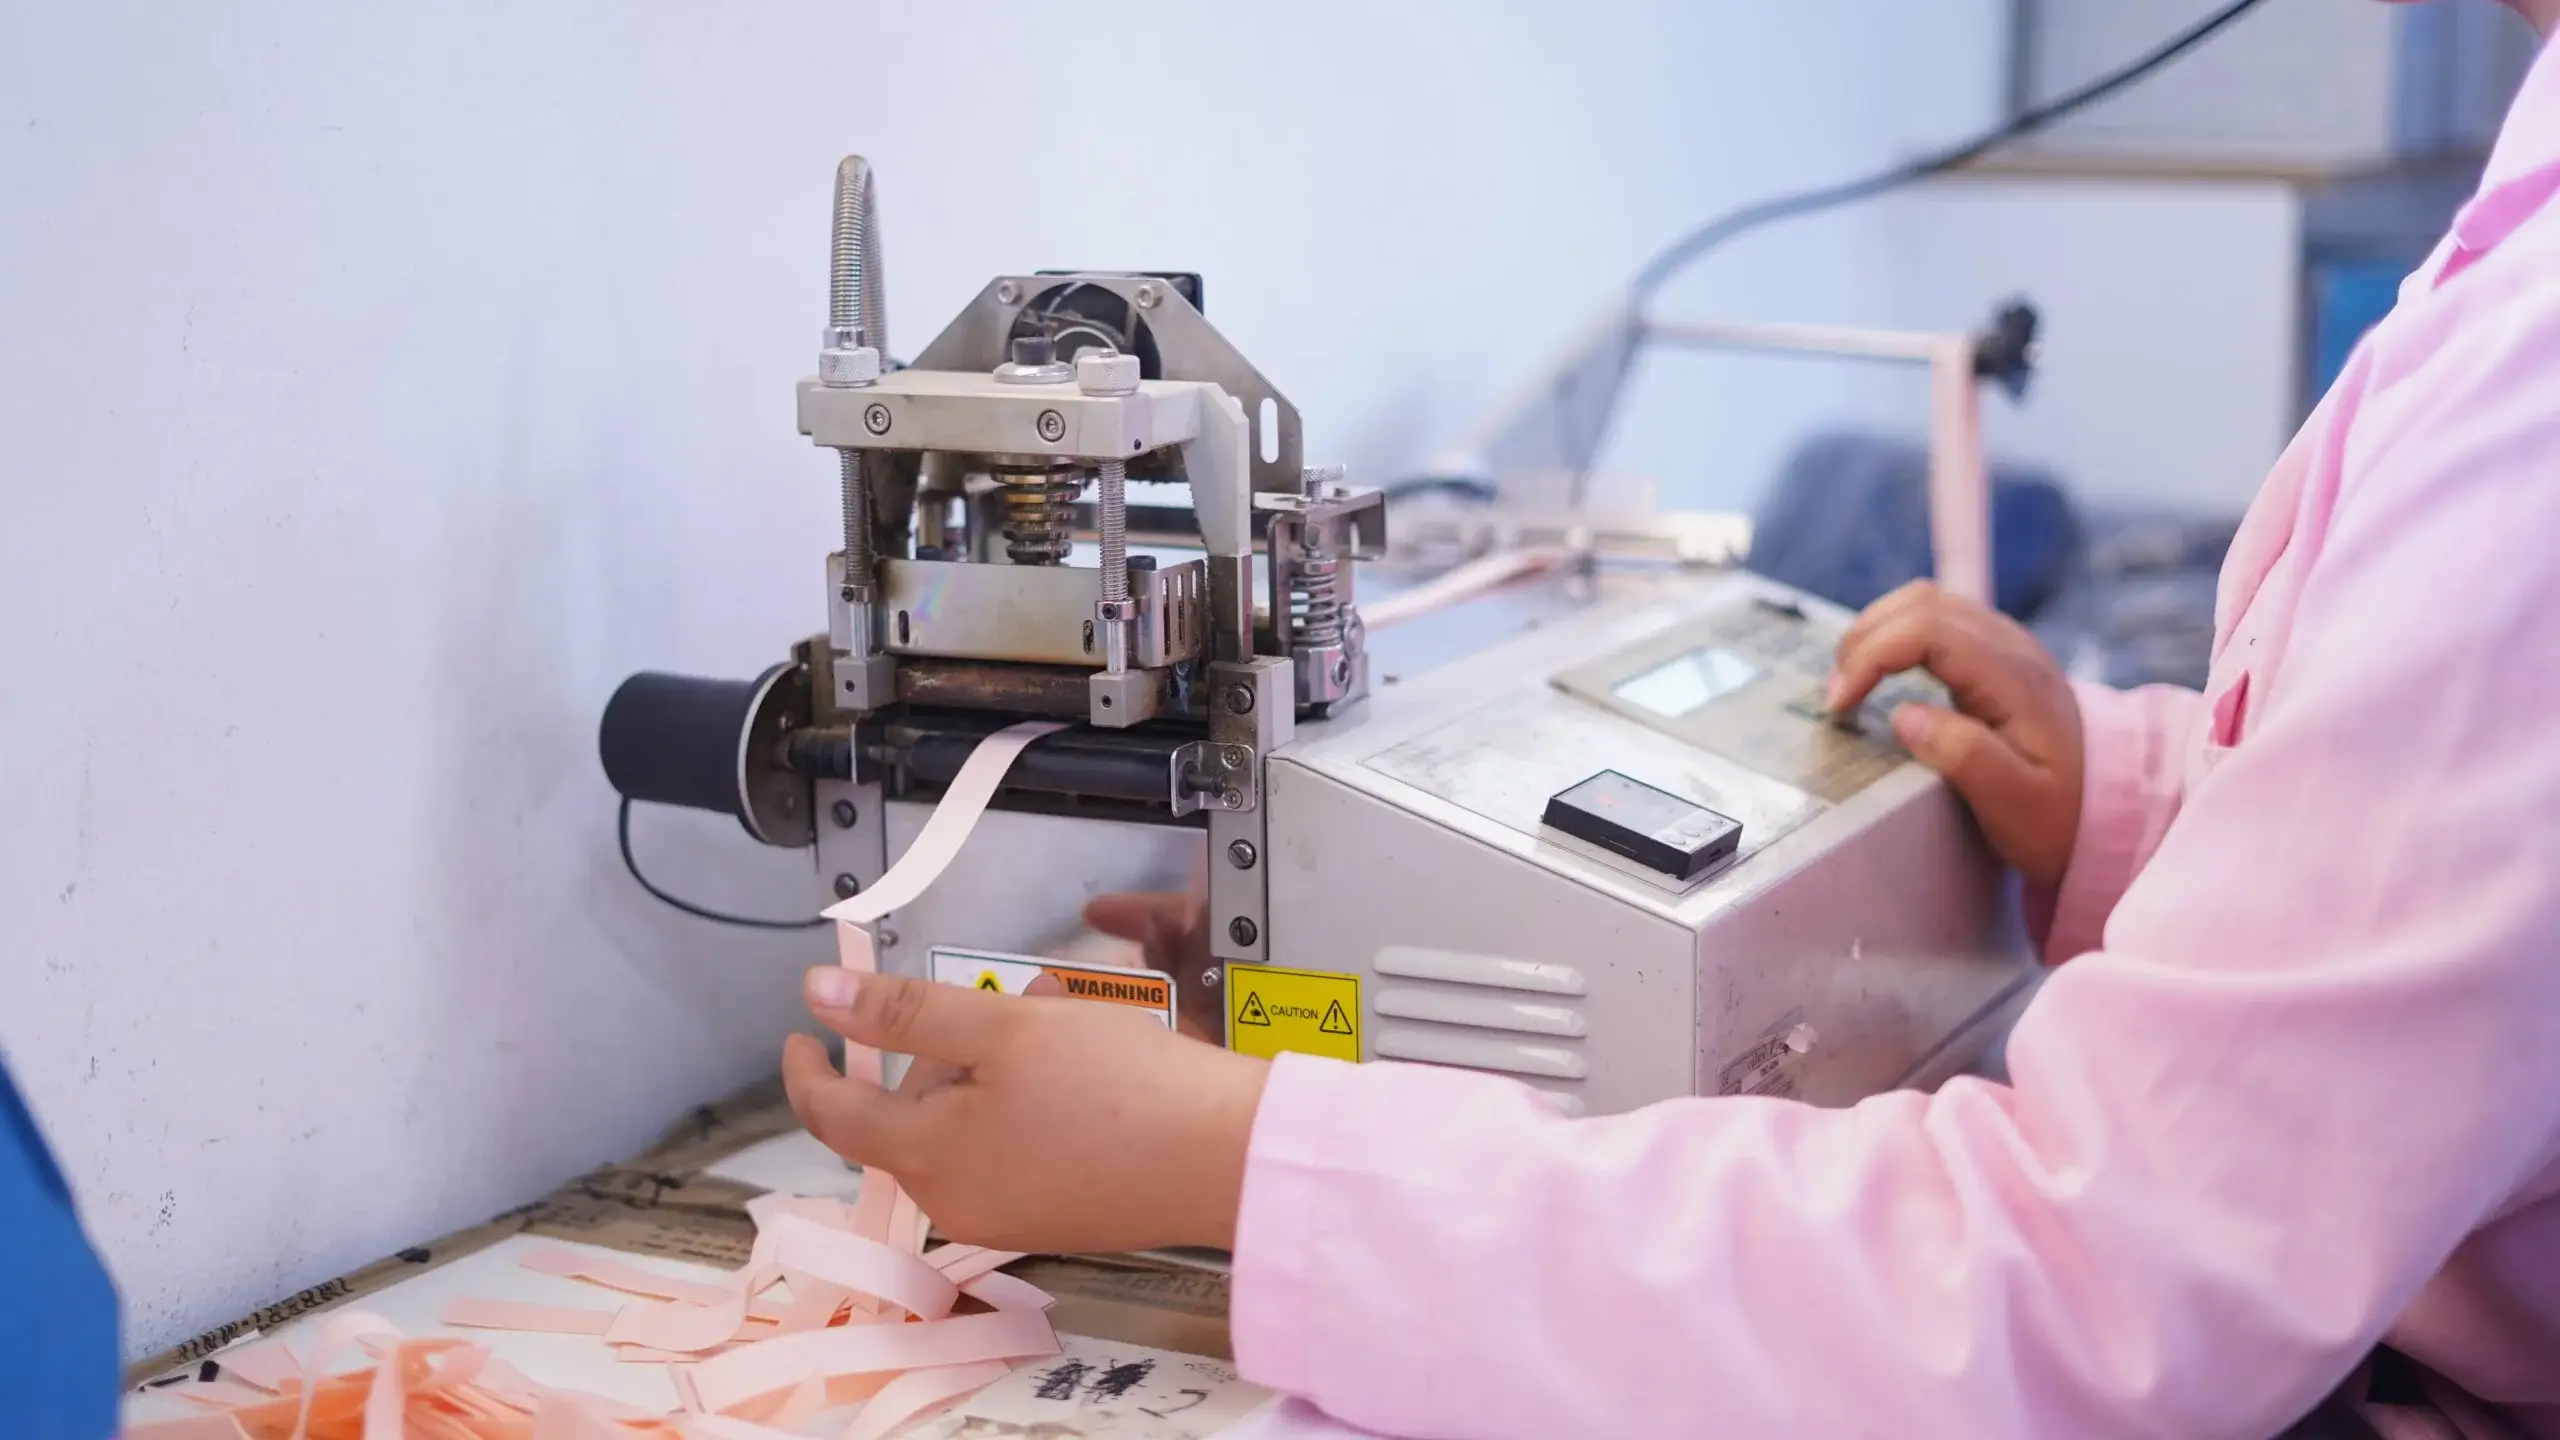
[[2321, 1045], [2133, 747]]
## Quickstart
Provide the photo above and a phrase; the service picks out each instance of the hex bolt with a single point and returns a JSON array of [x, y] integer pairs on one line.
[[847, 887], [1241, 855], [845, 814], [1240, 699], [1243, 931]]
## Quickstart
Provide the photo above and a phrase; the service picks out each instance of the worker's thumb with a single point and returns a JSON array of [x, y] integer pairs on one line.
[[906, 1016], [1977, 762]]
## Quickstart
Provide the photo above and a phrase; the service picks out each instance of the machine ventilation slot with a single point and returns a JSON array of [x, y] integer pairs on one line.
[[1414, 963], [1475, 1052], [1482, 1012]]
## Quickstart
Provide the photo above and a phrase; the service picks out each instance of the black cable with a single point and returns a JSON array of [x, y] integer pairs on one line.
[[1706, 237], [622, 832]]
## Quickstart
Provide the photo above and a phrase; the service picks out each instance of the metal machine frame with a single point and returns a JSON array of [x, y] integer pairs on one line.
[[1337, 837]]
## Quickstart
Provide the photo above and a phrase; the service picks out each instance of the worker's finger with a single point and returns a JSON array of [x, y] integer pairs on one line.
[[1982, 767], [1951, 645], [911, 1017], [926, 1075], [1046, 984], [1901, 600], [1139, 917], [854, 1118]]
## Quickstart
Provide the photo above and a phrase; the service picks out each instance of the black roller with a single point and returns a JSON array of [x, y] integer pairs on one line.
[[1101, 766], [674, 739]]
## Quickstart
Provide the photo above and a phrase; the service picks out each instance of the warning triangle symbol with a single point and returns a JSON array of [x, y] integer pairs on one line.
[[987, 981], [1252, 1013], [1335, 1023]]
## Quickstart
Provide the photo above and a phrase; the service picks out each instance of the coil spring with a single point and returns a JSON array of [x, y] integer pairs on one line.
[[1039, 514], [1315, 599]]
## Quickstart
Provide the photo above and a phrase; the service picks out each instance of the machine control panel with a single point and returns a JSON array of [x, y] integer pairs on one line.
[[1746, 681], [1654, 828]]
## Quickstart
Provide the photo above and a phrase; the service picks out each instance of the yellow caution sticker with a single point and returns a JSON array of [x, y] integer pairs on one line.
[[1308, 1011]]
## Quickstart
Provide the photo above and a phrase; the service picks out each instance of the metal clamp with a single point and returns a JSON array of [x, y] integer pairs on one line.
[[1207, 775]]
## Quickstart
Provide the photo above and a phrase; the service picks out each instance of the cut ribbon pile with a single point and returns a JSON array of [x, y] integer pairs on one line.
[[837, 1305]]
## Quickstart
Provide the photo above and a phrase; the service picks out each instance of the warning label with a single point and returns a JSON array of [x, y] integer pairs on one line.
[[1767, 1067], [1308, 1011], [1148, 990]]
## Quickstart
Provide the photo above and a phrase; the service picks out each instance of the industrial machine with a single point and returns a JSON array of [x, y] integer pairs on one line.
[[1596, 833]]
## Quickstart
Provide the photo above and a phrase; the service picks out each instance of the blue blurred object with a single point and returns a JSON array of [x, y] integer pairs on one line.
[[1849, 521], [58, 1323], [2349, 297]]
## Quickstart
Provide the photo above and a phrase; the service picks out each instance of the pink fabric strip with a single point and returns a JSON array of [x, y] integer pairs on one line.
[[729, 1427], [674, 1325], [619, 1275], [386, 1401], [906, 1225], [1959, 495], [268, 1365], [189, 1427], [919, 1391], [769, 1365], [336, 1333], [1006, 1293], [862, 1265], [945, 831], [1460, 583], [220, 1390], [964, 1263], [513, 1315], [814, 1302]]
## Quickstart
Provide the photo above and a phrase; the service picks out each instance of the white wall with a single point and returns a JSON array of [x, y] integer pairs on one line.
[[381, 384]]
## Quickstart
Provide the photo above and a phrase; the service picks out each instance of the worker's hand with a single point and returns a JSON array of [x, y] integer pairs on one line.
[[2012, 746], [1032, 1124], [1173, 930]]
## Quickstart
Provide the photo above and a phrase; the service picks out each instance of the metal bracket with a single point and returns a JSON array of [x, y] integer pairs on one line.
[[1210, 776], [1252, 707], [1188, 347]]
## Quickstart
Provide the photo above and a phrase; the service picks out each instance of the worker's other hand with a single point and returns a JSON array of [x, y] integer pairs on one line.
[[1173, 930], [2012, 745], [1032, 1123]]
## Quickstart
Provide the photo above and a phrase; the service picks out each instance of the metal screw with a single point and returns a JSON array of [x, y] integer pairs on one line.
[[888, 939], [1231, 756], [847, 887], [1053, 426], [845, 814], [876, 419], [1007, 292], [1210, 977], [1240, 699], [1149, 296], [1232, 799], [1241, 855], [1342, 670], [1243, 931]]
